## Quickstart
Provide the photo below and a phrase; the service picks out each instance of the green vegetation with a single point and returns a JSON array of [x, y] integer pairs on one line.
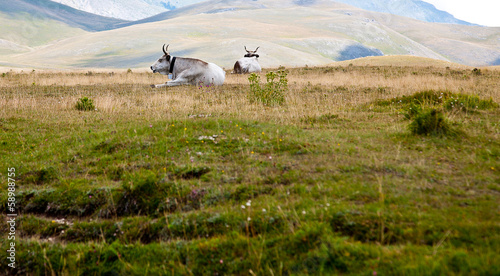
[[179, 181], [85, 104], [273, 92]]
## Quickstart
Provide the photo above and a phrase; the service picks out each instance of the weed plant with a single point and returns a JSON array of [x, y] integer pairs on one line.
[[430, 122], [85, 104], [274, 91]]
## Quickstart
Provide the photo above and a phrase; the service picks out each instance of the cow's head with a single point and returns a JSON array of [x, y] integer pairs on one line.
[[251, 53], [162, 65]]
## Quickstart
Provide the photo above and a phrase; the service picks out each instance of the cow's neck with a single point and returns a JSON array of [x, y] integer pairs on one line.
[[172, 64]]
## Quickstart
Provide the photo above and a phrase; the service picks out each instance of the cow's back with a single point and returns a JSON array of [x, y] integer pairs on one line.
[[248, 65]]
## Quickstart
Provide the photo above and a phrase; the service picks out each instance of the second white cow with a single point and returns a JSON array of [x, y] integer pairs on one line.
[[187, 71], [248, 64]]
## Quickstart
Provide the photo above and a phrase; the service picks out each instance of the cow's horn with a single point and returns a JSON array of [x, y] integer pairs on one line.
[[246, 49], [256, 49], [165, 50]]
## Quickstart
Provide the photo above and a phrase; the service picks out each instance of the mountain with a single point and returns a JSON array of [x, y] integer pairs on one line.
[[415, 9], [289, 32], [122, 9], [49, 10], [139, 9], [130, 10]]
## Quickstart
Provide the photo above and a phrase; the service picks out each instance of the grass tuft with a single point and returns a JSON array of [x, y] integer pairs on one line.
[[85, 104]]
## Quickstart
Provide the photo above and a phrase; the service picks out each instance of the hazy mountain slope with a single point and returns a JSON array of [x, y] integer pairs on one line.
[[415, 9], [290, 33], [141, 9], [24, 29], [471, 45], [127, 9], [122, 9], [48, 10]]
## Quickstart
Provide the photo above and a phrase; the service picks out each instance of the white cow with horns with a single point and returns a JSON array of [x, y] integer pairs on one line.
[[187, 71], [248, 63]]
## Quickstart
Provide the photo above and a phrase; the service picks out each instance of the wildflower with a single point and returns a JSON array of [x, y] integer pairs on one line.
[[249, 203], [221, 261], [242, 206], [150, 125], [264, 210], [249, 219], [328, 204], [303, 212]]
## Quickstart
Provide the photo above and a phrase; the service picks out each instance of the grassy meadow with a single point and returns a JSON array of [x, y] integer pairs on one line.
[[204, 181]]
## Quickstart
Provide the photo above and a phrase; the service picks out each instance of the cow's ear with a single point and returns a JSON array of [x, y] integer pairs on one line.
[[168, 58]]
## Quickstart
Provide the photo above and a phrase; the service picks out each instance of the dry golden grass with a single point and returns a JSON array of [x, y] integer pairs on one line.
[[312, 92]]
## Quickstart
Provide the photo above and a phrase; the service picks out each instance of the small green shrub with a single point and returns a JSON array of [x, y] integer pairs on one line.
[[273, 93], [413, 110], [85, 104], [430, 122]]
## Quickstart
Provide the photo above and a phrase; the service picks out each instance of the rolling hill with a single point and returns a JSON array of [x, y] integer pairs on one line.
[[49, 10], [415, 9], [127, 9], [141, 9], [290, 33]]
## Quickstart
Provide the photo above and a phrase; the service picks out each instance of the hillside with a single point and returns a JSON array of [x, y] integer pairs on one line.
[[141, 9], [290, 33], [127, 9], [122, 9], [415, 9], [48, 10]]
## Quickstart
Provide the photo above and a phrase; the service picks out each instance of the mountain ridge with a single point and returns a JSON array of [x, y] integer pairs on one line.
[[290, 33], [415, 9], [52, 10]]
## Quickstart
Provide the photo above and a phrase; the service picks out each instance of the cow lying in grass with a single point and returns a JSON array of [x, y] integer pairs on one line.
[[248, 63], [187, 71]]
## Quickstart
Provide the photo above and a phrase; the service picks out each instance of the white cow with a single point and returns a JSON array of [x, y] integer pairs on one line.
[[248, 64], [187, 71]]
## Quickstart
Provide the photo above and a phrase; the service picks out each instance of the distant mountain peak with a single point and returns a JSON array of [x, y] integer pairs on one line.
[[415, 9]]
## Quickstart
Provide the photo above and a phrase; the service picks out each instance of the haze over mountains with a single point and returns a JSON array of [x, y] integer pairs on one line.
[[46, 34], [127, 9], [140, 9]]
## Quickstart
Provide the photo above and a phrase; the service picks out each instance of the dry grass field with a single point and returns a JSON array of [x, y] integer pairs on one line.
[[203, 181]]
